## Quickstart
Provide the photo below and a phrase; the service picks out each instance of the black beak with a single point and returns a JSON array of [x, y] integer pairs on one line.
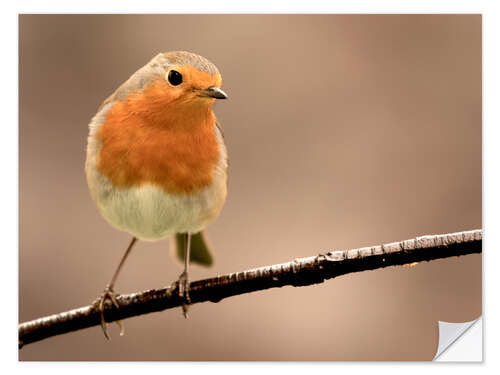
[[214, 92]]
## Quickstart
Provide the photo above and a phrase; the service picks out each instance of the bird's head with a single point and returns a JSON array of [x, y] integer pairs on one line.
[[173, 82], [173, 89]]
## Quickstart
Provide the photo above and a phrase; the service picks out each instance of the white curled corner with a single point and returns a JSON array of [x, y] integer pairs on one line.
[[460, 342]]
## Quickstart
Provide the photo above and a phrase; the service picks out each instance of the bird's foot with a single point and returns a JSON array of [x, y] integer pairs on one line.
[[107, 294], [183, 290]]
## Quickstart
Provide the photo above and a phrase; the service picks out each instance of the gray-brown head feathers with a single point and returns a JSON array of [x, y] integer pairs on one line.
[[188, 58]]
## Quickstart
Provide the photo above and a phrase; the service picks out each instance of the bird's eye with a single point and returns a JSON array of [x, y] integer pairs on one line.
[[174, 77]]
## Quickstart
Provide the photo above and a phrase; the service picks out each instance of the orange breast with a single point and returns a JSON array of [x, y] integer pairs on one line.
[[145, 140]]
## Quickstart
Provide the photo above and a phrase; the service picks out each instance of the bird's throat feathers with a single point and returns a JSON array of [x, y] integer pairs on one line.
[[160, 138]]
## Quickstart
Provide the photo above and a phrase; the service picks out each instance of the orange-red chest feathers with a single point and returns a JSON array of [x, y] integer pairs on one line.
[[153, 138]]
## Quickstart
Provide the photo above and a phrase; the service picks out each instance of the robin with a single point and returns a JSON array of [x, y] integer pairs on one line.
[[156, 160]]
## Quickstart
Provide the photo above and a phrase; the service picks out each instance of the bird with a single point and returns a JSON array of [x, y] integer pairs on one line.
[[156, 161]]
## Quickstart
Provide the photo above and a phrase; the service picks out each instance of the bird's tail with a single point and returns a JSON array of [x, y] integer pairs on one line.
[[201, 252]]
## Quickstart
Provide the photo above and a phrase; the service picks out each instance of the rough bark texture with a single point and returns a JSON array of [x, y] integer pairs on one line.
[[299, 272]]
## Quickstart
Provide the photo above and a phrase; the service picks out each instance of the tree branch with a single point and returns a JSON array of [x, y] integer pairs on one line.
[[299, 272]]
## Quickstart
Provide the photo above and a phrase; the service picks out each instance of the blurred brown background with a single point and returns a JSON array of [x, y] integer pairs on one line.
[[343, 131]]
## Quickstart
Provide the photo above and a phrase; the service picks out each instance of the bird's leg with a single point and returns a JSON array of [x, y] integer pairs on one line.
[[109, 293], [183, 278]]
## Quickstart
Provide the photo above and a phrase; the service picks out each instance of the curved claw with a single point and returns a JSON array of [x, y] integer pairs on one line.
[[108, 294]]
